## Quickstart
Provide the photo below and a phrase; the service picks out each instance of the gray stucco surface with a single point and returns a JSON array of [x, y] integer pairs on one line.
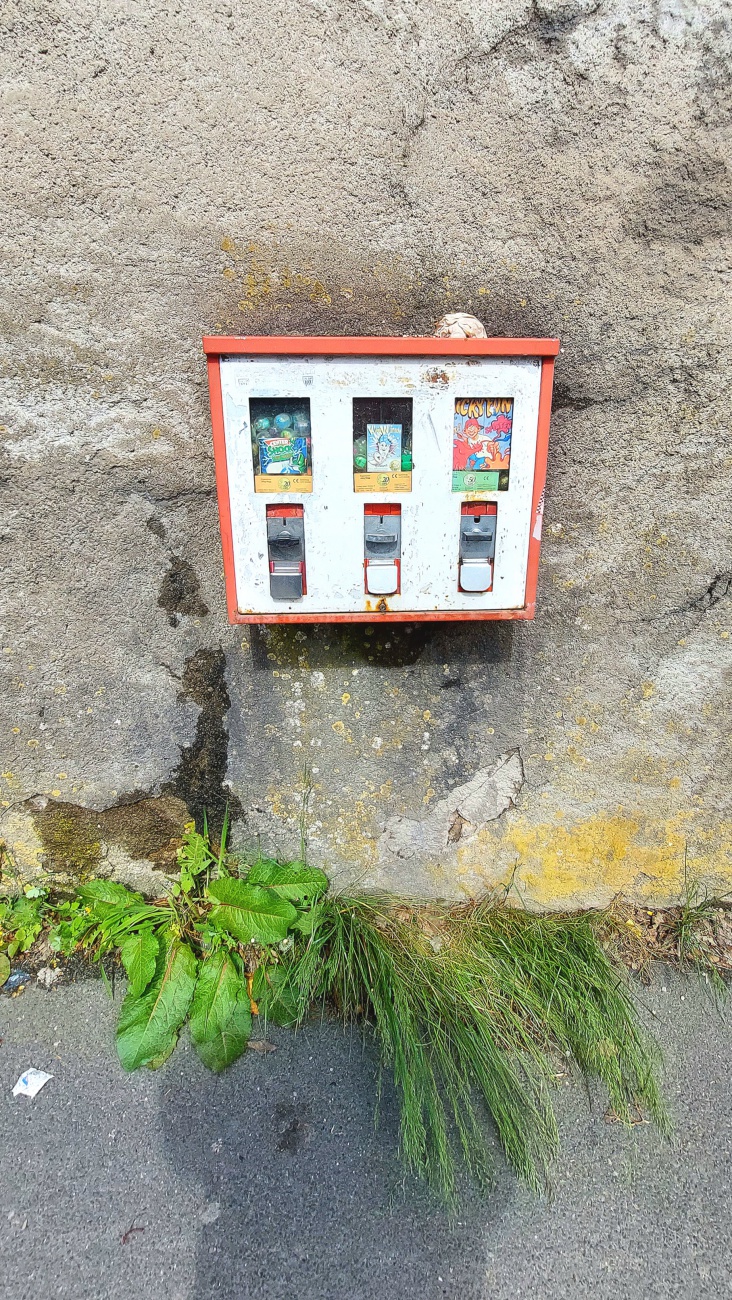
[[271, 1181], [557, 167]]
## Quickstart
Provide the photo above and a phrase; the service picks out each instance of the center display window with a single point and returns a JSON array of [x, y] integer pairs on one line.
[[382, 444]]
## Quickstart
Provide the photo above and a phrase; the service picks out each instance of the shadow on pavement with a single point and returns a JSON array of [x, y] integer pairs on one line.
[[304, 1197]]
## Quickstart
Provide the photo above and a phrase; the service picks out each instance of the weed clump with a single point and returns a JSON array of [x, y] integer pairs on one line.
[[477, 1006]]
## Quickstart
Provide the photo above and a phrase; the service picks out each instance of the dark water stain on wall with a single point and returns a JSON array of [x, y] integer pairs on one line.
[[201, 774], [180, 591], [389, 645]]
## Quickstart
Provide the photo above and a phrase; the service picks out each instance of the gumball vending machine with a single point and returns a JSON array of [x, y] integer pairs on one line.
[[380, 479]]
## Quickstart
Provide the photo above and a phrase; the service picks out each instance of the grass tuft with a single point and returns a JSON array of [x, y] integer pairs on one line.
[[473, 1008]]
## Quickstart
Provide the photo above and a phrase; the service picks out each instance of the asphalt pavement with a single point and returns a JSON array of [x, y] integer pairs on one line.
[[272, 1182]]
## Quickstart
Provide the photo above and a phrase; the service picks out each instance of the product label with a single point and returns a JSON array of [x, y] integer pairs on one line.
[[481, 449], [284, 455], [383, 448], [283, 483], [397, 482]]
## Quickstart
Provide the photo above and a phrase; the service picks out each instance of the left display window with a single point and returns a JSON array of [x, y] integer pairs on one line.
[[281, 444]]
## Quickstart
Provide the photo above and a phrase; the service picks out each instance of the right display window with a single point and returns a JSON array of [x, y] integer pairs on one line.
[[481, 444]]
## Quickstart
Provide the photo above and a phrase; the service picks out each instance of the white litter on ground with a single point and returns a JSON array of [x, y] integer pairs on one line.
[[31, 1083], [48, 976]]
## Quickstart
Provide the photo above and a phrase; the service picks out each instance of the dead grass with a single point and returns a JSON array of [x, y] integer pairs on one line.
[[696, 935]]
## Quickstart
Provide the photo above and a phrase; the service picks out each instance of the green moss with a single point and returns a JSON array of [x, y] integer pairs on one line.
[[74, 839], [70, 837]]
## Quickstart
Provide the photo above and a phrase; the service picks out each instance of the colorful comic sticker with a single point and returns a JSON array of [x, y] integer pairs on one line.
[[283, 455], [383, 448], [481, 449]]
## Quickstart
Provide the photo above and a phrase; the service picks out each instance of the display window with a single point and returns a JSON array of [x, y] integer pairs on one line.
[[382, 444], [281, 444]]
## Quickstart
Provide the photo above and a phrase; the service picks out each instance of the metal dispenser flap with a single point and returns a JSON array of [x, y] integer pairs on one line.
[[476, 575], [382, 536], [382, 579], [285, 582], [286, 552]]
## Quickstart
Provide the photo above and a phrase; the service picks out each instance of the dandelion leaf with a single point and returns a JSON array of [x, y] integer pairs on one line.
[[139, 953], [107, 892], [248, 912], [148, 1025], [276, 995], [291, 880], [221, 1019]]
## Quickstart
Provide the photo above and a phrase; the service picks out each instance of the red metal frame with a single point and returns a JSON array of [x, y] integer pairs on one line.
[[222, 485], [382, 346], [478, 508], [280, 511], [546, 350]]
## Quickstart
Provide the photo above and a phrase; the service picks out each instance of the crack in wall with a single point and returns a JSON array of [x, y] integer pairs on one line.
[[717, 590]]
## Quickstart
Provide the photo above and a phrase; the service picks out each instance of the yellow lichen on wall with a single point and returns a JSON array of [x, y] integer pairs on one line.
[[348, 823], [261, 276], [566, 863]]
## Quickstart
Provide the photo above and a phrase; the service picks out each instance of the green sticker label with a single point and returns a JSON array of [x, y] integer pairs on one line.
[[474, 481]]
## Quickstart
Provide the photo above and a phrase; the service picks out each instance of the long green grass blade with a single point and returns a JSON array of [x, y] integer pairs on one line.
[[474, 1024]]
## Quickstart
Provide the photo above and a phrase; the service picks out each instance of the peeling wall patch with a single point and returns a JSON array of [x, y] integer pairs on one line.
[[466, 810]]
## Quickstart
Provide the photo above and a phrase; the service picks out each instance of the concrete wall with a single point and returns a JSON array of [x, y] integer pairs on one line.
[[357, 166]]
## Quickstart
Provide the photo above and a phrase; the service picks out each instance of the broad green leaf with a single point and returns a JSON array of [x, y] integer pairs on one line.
[[139, 953], [307, 920], [24, 921], [113, 923], [4, 967], [148, 1025], [275, 995], [194, 857], [221, 1018], [25, 913], [107, 892], [250, 913], [291, 880], [156, 1061]]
